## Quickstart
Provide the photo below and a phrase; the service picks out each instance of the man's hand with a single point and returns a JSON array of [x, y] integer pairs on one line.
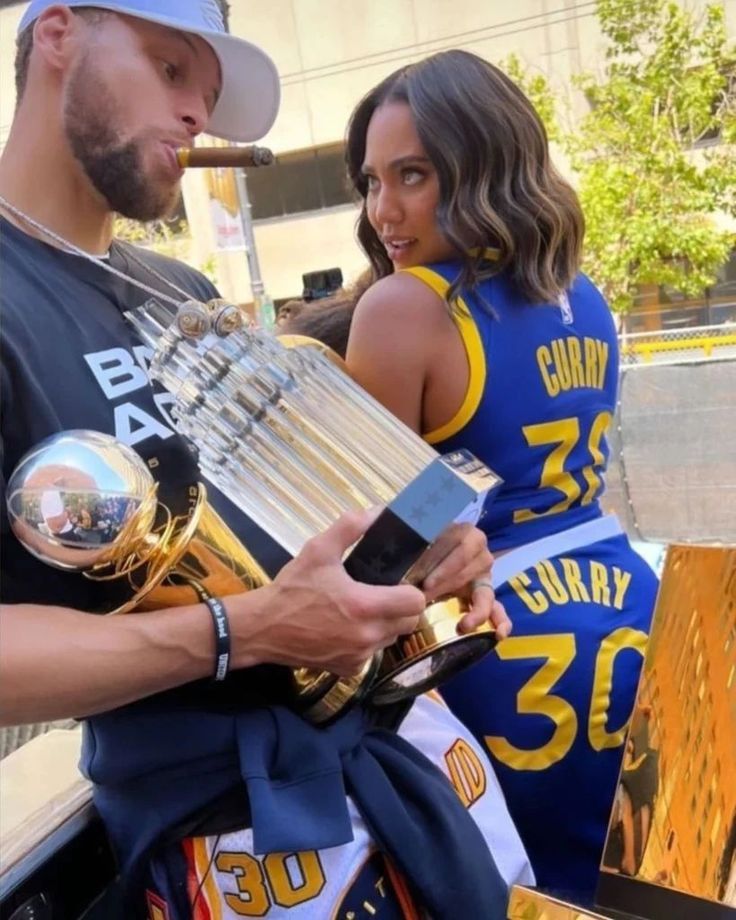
[[465, 571], [317, 616]]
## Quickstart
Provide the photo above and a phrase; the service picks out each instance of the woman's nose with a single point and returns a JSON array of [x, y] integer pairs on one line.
[[388, 206]]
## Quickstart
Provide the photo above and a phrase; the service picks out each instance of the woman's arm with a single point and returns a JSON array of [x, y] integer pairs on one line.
[[393, 341], [405, 350]]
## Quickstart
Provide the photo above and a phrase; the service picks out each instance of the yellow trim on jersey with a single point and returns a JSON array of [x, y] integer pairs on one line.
[[473, 348], [208, 889], [436, 697], [490, 253]]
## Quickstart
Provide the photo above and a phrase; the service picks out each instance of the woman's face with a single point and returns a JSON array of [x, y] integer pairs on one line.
[[402, 189]]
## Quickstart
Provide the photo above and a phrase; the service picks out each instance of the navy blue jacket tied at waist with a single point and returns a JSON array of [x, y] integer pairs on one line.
[[153, 769]]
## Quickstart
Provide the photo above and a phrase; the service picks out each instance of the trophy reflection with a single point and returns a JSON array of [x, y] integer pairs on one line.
[[671, 842], [670, 851]]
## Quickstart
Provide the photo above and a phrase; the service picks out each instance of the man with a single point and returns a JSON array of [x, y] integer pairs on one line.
[[106, 93]]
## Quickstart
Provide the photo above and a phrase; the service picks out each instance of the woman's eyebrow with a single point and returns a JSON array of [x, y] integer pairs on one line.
[[400, 161]]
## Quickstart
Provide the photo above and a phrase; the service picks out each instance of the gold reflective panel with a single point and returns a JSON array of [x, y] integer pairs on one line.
[[527, 904], [672, 837]]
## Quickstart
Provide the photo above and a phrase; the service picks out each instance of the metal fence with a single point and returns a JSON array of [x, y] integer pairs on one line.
[[676, 344], [672, 475]]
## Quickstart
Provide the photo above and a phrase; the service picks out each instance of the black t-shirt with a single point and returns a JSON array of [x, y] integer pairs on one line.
[[69, 359]]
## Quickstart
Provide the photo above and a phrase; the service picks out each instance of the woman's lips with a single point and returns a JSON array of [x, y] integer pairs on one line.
[[398, 248]]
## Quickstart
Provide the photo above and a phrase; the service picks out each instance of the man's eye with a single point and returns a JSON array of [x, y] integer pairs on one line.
[[171, 71]]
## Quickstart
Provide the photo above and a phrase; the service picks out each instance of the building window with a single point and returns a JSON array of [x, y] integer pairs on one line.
[[305, 180]]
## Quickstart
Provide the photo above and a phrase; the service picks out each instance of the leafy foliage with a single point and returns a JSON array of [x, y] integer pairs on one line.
[[166, 237], [655, 156], [163, 236]]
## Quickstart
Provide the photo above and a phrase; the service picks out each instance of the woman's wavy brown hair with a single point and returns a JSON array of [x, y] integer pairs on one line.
[[498, 187]]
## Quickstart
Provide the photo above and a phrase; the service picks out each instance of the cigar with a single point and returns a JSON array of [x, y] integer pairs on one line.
[[224, 156]]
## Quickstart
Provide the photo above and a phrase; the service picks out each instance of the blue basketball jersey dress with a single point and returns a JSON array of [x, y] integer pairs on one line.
[[552, 702]]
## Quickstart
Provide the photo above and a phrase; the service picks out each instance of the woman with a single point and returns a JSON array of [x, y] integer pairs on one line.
[[481, 333]]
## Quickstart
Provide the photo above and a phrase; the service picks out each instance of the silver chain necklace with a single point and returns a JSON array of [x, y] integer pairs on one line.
[[194, 318]]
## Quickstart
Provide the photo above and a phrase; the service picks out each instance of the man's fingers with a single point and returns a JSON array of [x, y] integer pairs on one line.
[[457, 584], [393, 603], [402, 627], [501, 620], [481, 607]]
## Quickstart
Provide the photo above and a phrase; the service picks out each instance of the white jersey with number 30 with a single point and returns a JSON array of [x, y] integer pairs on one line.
[[351, 882]]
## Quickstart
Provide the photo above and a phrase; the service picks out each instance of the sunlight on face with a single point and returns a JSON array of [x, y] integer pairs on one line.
[[136, 93], [403, 189]]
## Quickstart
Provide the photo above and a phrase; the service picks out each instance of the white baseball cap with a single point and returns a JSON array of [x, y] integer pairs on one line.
[[250, 93]]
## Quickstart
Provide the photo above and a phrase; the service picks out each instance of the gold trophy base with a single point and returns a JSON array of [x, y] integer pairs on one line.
[[529, 904], [321, 696], [431, 655]]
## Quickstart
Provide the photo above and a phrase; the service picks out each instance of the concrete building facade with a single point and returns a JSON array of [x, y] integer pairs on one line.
[[329, 53]]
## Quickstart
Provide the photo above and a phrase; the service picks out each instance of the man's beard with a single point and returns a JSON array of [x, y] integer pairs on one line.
[[114, 169]]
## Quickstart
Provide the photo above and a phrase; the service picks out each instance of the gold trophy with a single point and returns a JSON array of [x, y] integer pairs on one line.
[[670, 852], [671, 845], [292, 441]]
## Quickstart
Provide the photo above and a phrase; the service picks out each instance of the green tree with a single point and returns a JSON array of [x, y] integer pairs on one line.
[[536, 87], [655, 156], [165, 237]]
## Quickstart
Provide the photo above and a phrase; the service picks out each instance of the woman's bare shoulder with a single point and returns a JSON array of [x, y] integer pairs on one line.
[[400, 297]]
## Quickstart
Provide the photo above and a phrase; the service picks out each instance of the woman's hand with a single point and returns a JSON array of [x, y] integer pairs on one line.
[[465, 571], [484, 607]]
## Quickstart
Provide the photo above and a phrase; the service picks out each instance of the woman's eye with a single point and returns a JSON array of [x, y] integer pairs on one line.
[[411, 176], [371, 183]]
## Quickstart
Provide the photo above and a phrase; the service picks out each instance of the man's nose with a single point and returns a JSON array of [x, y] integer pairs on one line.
[[194, 113]]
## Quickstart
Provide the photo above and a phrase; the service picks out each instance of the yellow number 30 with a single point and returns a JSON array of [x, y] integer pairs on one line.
[[558, 652], [565, 433]]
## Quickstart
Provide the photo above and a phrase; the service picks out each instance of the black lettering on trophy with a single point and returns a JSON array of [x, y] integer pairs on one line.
[[192, 499]]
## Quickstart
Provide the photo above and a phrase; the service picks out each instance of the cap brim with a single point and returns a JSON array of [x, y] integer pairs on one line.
[[251, 91]]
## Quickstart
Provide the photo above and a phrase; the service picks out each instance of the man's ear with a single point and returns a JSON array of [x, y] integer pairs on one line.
[[57, 34]]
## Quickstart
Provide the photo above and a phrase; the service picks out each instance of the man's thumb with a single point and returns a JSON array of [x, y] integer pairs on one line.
[[347, 530]]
